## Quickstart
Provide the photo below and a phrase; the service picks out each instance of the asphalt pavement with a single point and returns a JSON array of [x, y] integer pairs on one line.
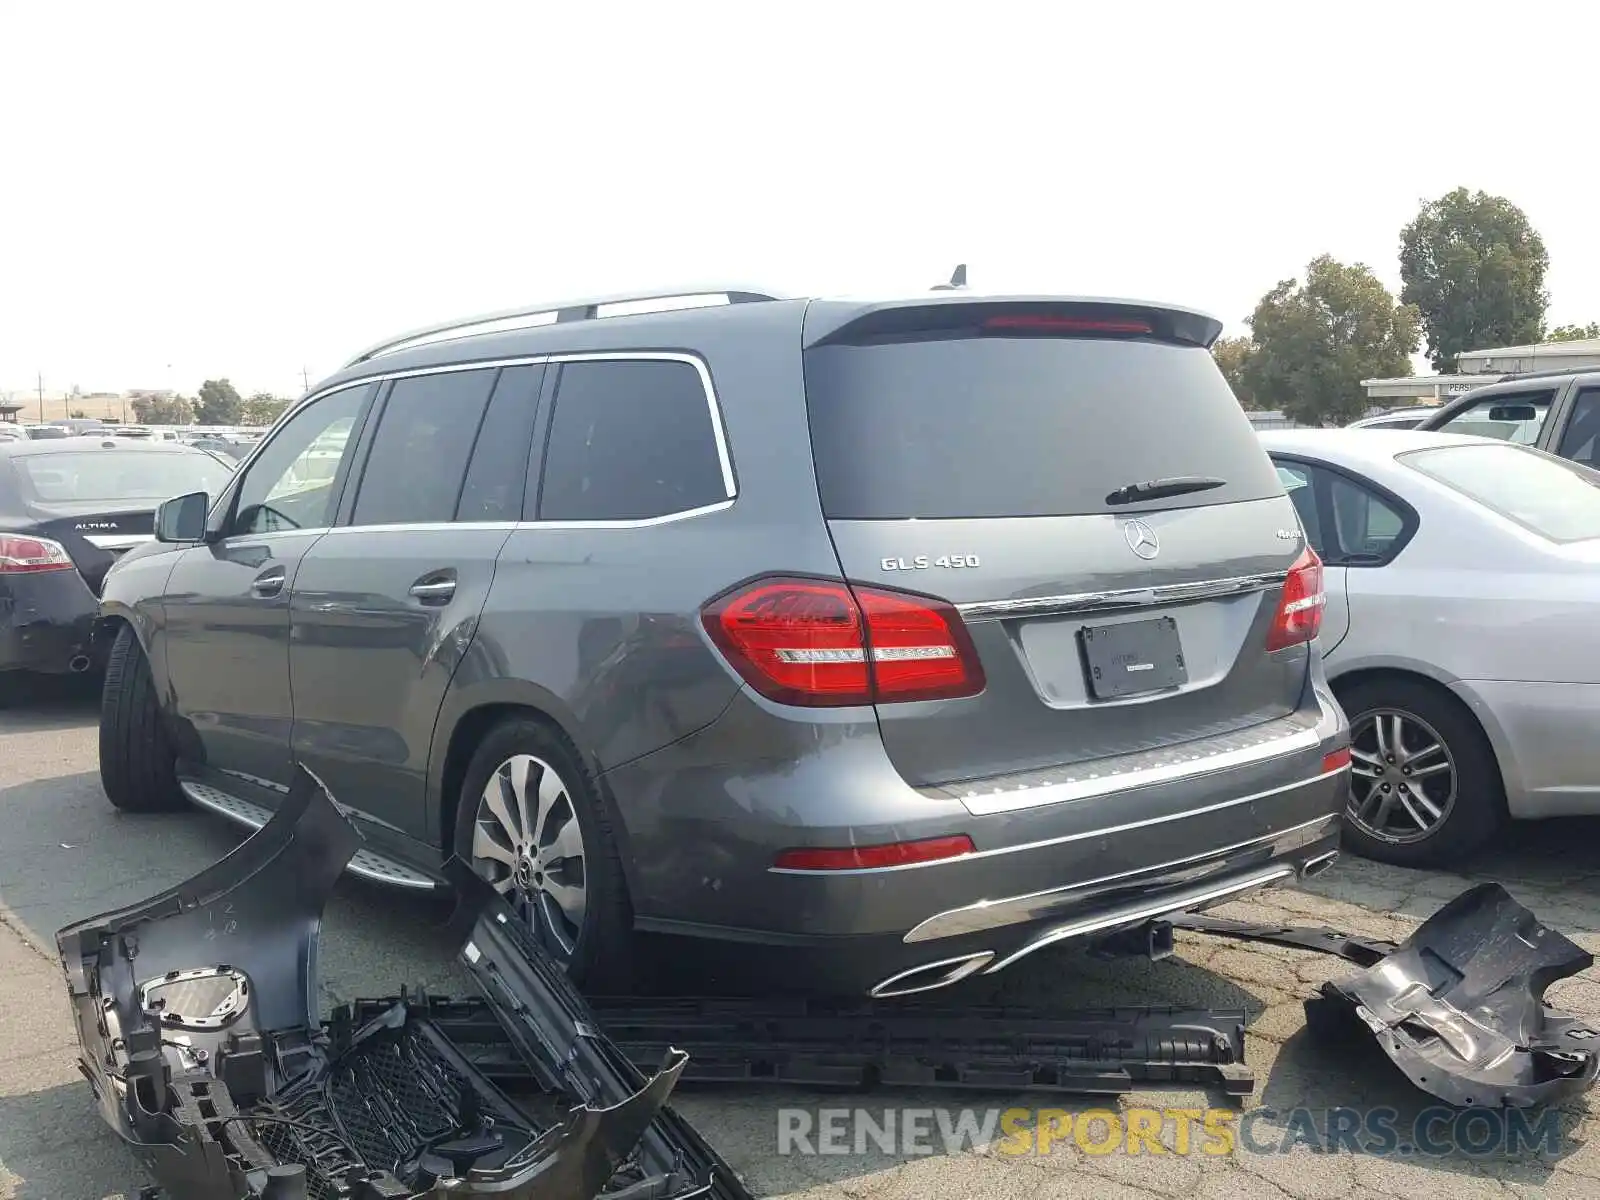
[[65, 854]]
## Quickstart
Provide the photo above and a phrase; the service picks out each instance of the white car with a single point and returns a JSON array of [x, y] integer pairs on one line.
[[1461, 631]]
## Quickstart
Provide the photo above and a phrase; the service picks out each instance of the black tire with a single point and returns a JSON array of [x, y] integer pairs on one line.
[[1476, 808], [602, 956], [138, 768]]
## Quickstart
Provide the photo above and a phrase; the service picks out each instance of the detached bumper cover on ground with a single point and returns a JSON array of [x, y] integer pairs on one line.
[[196, 1013], [197, 1016]]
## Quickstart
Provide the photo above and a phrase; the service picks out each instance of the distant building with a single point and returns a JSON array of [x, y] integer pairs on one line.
[[1501, 360]]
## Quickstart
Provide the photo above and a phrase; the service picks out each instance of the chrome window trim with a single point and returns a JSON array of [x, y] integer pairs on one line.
[[1082, 602], [687, 514], [707, 386], [1064, 839]]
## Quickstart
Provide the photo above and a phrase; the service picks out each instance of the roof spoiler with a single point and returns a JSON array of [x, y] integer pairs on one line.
[[953, 313]]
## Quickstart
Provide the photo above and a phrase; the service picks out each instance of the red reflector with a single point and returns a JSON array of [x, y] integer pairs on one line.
[[20, 555], [892, 854], [1041, 323], [821, 643], [1299, 615], [1337, 761]]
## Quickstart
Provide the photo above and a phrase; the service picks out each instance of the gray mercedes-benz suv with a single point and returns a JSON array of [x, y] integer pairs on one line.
[[892, 639]]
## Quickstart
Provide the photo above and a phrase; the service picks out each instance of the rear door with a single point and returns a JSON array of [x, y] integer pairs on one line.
[[983, 452], [386, 605]]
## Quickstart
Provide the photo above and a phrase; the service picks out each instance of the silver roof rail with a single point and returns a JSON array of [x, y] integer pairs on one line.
[[530, 316]]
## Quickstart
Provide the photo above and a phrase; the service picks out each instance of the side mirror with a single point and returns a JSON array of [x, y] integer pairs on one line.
[[183, 518], [1513, 412]]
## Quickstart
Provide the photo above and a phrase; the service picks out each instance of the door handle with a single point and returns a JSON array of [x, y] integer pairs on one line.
[[268, 583], [433, 590]]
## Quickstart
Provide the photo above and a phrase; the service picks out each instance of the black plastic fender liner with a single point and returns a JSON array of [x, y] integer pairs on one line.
[[1459, 1006]]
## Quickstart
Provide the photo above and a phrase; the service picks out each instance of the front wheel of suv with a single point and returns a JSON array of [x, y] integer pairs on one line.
[[138, 768], [530, 821]]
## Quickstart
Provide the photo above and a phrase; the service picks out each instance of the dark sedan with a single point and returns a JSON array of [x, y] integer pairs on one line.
[[68, 508]]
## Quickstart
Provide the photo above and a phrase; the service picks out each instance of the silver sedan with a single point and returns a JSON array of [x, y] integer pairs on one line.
[[1461, 633]]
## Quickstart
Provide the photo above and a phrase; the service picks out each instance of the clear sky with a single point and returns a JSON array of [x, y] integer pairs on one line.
[[190, 192]]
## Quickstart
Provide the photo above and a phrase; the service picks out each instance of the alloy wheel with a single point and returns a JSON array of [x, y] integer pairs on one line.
[[1403, 777], [527, 842]]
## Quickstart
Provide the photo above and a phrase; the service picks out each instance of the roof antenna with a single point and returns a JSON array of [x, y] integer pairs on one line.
[[958, 280]]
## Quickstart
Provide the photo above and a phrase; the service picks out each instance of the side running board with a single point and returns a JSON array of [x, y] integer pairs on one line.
[[810, 1043]]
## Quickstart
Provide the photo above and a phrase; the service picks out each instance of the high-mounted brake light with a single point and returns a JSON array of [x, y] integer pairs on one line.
[[1299, 615], [866, 858], [23, 555], [823, 643], [1041, 323]]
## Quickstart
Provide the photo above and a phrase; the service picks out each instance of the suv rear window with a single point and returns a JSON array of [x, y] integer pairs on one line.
[[1548, 496], [1022, 427]]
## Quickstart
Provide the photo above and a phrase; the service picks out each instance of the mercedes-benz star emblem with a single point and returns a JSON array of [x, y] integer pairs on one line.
[[1142, 539]]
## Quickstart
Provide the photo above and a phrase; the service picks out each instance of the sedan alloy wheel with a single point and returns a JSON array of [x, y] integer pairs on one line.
[[1403, 776]]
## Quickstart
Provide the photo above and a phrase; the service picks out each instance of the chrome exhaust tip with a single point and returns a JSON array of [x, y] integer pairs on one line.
[[79, 665], [932, 976], [1316, 866]]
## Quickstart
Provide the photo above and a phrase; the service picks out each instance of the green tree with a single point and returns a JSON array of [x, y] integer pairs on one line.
[[155, 408], [1474, 268], [218, 404], [1573, 333], [263, 408], [1315, 342], [1233, 355]]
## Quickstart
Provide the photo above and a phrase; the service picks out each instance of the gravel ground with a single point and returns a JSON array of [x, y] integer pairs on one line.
[[64, 854]]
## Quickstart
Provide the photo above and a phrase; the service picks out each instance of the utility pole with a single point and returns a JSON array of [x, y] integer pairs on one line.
[[41, 397], [305, 379]]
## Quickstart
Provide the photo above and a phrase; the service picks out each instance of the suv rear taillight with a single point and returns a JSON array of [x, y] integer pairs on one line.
[[23, 555], [823, 643], [1299, 615]]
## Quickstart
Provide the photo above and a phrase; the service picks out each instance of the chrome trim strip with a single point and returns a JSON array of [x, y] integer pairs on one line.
[[981, 805], [118, 541], [519, 526], [1064, 838], [1110, 601], [1148, 911], [960, 968], [995, 914]]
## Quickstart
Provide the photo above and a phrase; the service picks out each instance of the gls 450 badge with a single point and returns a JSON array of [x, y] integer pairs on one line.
[[921, 562]]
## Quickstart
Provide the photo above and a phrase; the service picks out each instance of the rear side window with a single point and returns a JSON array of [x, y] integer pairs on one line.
[[497, 477], [1545, 495], [1023, 427], [1580, 441], [419, 455], [630, 440]]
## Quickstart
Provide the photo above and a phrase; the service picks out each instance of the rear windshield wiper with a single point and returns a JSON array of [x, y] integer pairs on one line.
[[1160, 489]]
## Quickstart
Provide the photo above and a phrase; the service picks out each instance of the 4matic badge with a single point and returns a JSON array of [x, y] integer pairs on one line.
[[921, 562]]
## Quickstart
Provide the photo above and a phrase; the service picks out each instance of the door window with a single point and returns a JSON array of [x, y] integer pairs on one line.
[[419, 454], [1367, 528], [497, 476], [290, 485], [1581, 440], [1514, 418], [630, 440]]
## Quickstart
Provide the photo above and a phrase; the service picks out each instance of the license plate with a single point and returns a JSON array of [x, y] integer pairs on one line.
[[1132, 658]]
